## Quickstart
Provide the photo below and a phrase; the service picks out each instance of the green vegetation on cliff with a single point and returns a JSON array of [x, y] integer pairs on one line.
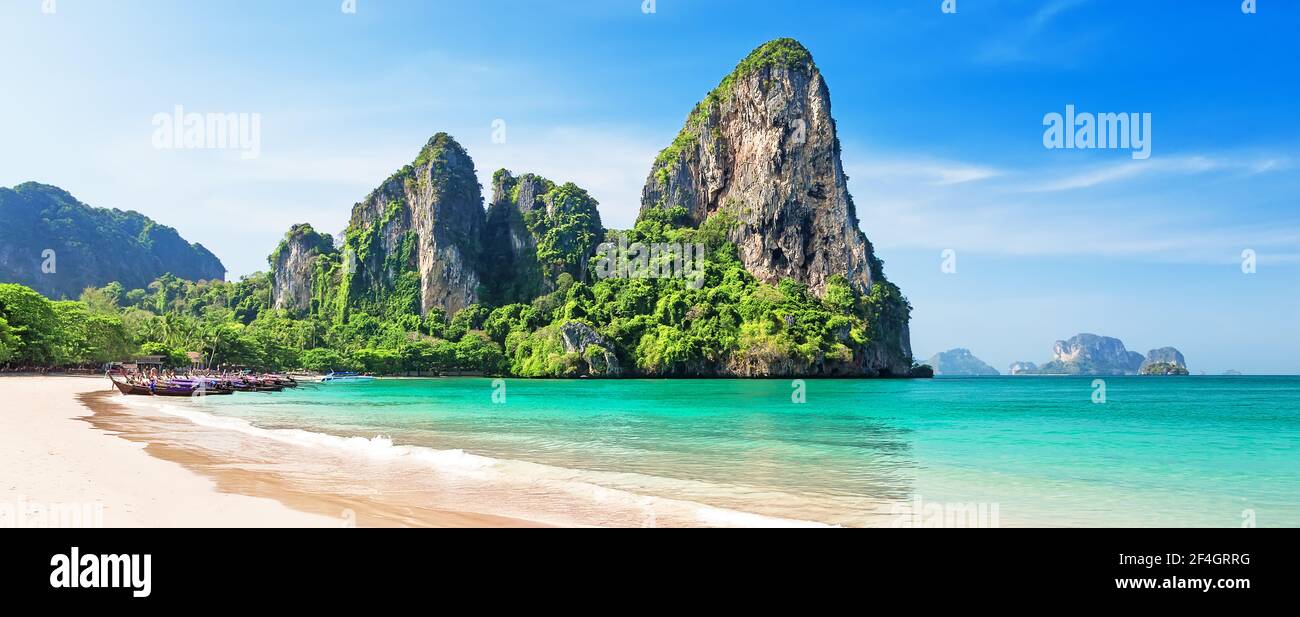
[[528, 246], [1164, 368], [57, 245], [420, 246]]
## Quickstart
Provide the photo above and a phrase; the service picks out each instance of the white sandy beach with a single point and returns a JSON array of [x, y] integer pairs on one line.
[[51, 461], [74, 453]]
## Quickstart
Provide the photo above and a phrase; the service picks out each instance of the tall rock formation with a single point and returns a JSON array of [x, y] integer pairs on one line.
[[763, 148], [413, 244], [294, 265], [59, 246], [535, 232], [762, 151]]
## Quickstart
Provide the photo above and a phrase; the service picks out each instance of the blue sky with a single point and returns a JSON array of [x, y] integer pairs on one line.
[[940, 118]]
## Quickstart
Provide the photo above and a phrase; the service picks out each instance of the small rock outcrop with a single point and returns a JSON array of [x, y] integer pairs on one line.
[[597, 352], [1163, 368], [1170, 358], [1023, 368], [960, 362]]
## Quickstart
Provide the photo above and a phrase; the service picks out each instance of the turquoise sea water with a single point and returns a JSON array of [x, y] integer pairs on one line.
[[1168, 451]]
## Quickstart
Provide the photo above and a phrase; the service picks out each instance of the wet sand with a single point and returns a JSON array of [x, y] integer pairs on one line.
[[70, 441]]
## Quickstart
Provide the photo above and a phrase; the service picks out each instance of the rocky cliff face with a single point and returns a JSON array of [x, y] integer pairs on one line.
[[960, 362], [293, 265], [89, 247], [763, 148], [536, 231], [413, 243], [509, 248], [762, 151]]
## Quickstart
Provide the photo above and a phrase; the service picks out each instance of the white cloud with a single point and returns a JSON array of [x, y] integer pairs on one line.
[[1160, 216], [1127, 170], [927, 171]]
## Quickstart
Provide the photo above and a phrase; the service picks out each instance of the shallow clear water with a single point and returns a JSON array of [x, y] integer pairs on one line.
[[1169, 451]]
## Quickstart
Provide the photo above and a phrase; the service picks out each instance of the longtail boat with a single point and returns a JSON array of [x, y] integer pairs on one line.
[[133, 389], [281, 380], [164, 388]]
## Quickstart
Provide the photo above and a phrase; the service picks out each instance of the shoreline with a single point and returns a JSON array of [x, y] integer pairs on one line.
[[55, 445]]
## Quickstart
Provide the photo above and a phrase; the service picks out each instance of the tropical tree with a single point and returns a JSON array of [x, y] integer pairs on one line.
[[32, 319], [8, 341]]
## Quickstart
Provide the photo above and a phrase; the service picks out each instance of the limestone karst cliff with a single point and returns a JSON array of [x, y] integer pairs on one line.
[[762, 151], [293, 267], [535, 232], [787, 284], [762, 147], [414, 242], [1090, 354]]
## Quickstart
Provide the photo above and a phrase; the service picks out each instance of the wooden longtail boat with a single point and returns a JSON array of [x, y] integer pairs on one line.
[[163, 388], [130, 388]]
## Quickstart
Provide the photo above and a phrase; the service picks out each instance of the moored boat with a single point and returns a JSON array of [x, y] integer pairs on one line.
[[131, 388], [167, 388], [346, 378]]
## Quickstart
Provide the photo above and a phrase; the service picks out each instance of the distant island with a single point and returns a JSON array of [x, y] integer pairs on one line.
[[746, 261], [959, 362], [1090, 354]]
